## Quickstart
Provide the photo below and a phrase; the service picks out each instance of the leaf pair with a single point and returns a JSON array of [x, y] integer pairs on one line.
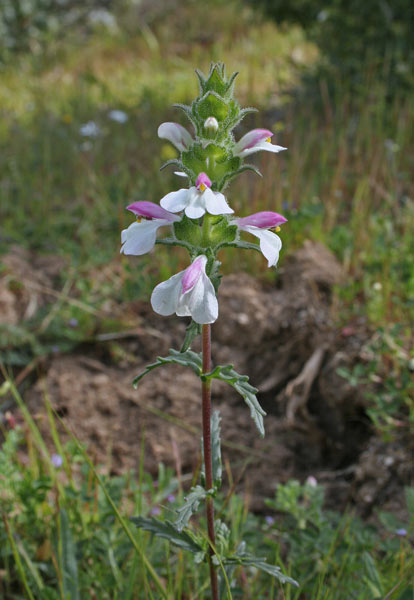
[[226, 373]]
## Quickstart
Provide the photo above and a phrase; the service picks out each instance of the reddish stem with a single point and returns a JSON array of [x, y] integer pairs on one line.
[[208, 465]]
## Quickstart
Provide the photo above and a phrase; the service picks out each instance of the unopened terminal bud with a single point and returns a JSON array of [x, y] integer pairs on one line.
[[211, 124]]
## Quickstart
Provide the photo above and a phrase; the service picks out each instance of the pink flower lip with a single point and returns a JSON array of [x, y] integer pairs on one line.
[[264, 220], [256, 136], [193, 273], [150, 210], [203, 179]]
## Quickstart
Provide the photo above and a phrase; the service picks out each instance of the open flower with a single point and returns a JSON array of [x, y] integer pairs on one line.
[[176, 134], [140, 236], [197, 200], [255, 140], [189, 293], [259, 224]]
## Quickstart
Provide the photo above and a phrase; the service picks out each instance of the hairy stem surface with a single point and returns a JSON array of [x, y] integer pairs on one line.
[[206, 408]]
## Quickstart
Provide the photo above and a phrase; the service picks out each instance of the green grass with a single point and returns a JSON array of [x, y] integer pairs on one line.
[[65, 532]]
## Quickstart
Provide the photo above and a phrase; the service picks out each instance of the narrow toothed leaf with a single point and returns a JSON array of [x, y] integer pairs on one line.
[[241, 385], [192, 501], [193, 330], [230, 84], [188, 113], [170, 532], [216, 448], [184, 359], [229, 176], [201, 80], [248, 560]]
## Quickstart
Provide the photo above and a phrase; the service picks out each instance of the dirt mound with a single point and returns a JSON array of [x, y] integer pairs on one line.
[[27, 283], [285, 339]]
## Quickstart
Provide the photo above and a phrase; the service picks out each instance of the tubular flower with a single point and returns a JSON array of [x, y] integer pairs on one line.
[[255, 140], [189, 293], [259, 224], [176, 134], [197, 200], [140, 236]]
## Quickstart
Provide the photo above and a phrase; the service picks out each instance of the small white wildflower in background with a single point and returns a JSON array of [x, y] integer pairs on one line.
[[118, 115], [391, 146], [312, 481], [90, 129], [377, 286], [101, 16], [86, 146]]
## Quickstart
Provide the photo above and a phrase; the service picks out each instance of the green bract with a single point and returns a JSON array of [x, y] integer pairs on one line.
[[212, 152]]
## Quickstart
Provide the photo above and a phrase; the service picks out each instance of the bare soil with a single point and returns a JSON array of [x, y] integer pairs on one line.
[[283, 336]]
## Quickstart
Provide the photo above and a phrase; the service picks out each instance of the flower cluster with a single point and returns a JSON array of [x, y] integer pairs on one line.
[[199, 216]]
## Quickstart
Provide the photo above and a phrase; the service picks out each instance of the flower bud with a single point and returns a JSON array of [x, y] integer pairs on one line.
[[211, 125]]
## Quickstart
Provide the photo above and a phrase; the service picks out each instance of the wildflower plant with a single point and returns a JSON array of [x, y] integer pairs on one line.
[[200, 219]]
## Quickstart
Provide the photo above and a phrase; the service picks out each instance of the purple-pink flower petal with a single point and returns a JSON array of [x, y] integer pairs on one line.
[[204, 180], [263, 220], [253, 137], [192, 273], [151, 211]]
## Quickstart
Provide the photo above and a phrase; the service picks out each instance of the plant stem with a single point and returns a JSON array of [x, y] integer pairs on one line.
[[208, 465]]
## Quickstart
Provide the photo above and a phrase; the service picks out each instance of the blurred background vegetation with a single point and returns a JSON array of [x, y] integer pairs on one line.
[[84, 86]]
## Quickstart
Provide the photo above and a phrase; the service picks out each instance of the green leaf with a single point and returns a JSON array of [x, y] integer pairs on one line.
[[67, 557], [236, 116], [408, 594], [409, 498], [232, 174], [192, 331], [185, 359], [168, 531], [239, 244], [188, 113], [212, 105], [221, 231], [192, 501], [188, 230], [230, 84], [201, 80], [372, 578], [241, 385], [248, 560], [216, 81], [216, 448]]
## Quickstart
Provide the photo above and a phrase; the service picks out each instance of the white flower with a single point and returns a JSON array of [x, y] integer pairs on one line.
[[90, 129], [211, 124], [198, 200], [140, 236], [189, 293], [255, 140], [101, 16], [176, 134], [258, 225], [118, 115]]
